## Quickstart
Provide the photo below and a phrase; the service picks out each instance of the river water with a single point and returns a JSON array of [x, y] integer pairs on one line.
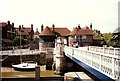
[[8, 72]]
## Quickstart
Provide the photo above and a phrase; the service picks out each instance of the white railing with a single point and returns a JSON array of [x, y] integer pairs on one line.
[[105, 50], [104, 59], [20, 52]]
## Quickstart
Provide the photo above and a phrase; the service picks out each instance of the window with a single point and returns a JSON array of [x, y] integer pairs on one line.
[[84, 37]]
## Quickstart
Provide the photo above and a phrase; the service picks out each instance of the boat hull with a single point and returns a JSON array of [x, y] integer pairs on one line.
[[25, 67]]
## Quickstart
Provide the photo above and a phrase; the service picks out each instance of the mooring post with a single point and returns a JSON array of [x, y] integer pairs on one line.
[[37, 73]]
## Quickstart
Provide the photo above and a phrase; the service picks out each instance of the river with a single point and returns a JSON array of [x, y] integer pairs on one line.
[[8, 72]]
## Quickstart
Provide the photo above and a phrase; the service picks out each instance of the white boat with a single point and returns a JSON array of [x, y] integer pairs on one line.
[[25, 66]]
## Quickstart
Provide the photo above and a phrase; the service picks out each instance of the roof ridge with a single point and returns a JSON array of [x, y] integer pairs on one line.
[[47, 31]]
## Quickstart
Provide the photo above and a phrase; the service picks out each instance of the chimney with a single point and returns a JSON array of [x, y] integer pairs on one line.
[[8, 22], [19, 27], [42, 27], [91, 26], [13, 24], [22, 26], [31, 27], [98, 32], [79, 26], [53, 27], [87, 27]]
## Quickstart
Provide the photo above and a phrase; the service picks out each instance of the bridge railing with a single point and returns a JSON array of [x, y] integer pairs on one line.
[[105, 50], [105, 60]]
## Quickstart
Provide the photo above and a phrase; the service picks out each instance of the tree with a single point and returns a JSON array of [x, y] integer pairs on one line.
[[108, 39], [98, 42], [17, 40]]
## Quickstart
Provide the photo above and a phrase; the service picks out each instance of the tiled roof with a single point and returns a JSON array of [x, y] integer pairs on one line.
[[74, 32], [2, 24], [24, 31], [47, 32], [62, 31], [37, 33], [83, 31]]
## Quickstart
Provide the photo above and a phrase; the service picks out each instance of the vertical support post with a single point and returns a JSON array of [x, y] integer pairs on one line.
[[100, 62], [37, 73], [113, 69], [108, 50], [103, 49], [91, 58]]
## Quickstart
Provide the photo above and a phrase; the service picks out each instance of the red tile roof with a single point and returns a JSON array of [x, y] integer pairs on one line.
[[85, 32], [24, 31], [47, 32], [74, 32], [62, 31], [37, 33], [2, 24], [82, 31]]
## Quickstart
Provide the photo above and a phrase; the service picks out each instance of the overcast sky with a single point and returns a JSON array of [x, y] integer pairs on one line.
[[103, 14]]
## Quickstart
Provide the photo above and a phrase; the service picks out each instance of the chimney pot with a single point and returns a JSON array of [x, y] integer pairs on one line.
[[91, 25], [22, 26], [31, 27], [8, 22], [13, 24], [42, 27], [53, 27], [19, 27], [79, 26]]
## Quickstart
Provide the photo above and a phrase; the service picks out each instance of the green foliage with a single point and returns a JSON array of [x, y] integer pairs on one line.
[[108, 39], [97, 43], [17, 40], [97, 34], [100, 42]]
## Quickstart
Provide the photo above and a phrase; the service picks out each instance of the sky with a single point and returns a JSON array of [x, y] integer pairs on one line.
[[103, 14]]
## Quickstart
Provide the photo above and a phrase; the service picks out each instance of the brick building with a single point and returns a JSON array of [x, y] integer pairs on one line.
[[27, 33], [49, 34], [81, 36], [7, 35]]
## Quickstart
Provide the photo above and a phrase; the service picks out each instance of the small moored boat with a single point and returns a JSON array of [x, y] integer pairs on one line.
[[25, 66]]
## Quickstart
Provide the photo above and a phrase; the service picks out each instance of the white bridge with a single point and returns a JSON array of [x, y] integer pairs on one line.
[[105, 60]]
